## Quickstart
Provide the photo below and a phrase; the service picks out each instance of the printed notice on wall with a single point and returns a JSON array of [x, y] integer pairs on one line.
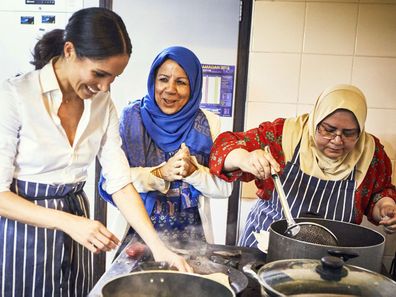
[[217, 89]]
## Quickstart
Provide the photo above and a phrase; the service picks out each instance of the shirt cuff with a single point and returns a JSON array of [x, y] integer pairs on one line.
[[144, 181]]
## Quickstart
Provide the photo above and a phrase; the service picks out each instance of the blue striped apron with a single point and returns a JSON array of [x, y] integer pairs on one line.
[[333, 200], [44, 262]]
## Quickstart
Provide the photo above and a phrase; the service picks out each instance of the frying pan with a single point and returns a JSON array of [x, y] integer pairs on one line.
[[165, 284], [205, 267]]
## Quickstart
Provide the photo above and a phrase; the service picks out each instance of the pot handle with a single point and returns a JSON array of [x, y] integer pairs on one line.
[[251, 270], [344, 255]]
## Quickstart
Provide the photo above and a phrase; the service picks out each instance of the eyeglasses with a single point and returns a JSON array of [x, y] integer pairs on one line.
[[329, 132]]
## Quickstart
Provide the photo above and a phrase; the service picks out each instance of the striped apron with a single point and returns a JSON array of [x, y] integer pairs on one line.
[[333, 200], [44, 262]]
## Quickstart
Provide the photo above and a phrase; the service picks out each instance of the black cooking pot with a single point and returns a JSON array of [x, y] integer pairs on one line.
[[364, 247], [163, 283], [327, 277]]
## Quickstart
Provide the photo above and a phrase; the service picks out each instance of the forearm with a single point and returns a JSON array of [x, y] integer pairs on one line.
[[92, 234], [131, 206], [19, 209], [208, 184], [144, 181]]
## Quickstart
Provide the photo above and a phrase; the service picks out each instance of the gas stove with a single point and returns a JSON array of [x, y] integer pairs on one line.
[[201, 256]]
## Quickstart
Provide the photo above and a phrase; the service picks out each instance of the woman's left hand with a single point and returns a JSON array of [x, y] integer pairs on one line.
[[174, 260], [388, 216], [187, 166]]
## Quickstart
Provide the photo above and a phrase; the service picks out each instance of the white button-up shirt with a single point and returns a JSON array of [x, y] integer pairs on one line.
[[34, 146]]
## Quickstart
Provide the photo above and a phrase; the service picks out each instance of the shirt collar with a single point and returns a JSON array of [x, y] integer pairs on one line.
[[48, 78]]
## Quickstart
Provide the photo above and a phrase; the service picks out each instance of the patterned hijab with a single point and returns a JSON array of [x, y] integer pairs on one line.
[[303, 128], [170, 131]]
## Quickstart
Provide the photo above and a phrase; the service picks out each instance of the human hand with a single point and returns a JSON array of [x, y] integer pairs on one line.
[[178, 166], [388, 217], [259, 163], [187, 164], [164, 254], [89, 233]]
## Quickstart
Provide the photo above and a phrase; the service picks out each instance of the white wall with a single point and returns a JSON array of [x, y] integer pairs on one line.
[[298, 48]]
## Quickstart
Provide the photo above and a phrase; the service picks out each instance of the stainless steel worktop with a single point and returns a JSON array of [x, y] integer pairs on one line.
[[121, 265]]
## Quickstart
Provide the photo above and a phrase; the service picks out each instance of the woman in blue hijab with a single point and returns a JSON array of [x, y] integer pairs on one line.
[[167, 139]]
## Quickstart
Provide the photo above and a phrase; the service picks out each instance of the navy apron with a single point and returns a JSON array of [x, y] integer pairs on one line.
[[44, 262], [332, 200]]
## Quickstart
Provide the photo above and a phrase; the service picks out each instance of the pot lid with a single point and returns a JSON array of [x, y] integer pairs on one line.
[[327, 277]]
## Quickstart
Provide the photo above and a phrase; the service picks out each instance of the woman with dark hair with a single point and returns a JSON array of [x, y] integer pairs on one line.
[[328, 164], [54, 121], [167, 139]]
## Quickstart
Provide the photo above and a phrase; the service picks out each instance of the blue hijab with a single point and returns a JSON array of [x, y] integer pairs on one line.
[[170, 131]]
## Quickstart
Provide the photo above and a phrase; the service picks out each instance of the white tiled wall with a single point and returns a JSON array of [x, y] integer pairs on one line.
[[298, 48]]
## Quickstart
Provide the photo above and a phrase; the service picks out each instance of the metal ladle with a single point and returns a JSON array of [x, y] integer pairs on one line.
[[304, 231]]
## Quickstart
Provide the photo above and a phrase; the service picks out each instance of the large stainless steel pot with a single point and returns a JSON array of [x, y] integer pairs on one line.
[[167, 283], [327, 277], [353, 240]]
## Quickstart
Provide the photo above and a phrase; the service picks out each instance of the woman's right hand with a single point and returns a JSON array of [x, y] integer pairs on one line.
[[178, 166], [162, 253], [89, 233], [171, 170], [259, 163]]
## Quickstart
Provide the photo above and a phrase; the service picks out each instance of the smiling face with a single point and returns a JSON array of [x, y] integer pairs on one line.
[[85, 77], [97, 75], [172, 87], [92, 76], [339, 122]]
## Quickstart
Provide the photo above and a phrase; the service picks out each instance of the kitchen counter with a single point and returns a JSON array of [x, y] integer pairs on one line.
[[124, 264], [121, 265]]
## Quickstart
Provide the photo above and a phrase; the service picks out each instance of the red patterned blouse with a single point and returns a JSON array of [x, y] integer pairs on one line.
[[376, 184]]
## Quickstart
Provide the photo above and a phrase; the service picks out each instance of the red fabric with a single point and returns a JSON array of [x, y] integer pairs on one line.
[[376, 184]]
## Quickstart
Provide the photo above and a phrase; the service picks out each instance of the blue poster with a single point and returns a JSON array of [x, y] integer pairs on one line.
[[218, 89]]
